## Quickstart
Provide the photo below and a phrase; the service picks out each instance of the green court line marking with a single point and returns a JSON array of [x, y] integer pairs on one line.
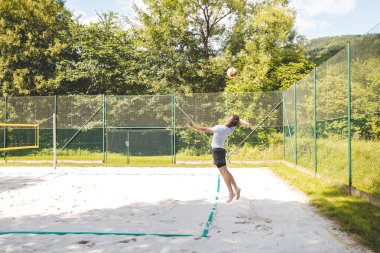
[[91, 233], [210, 217]]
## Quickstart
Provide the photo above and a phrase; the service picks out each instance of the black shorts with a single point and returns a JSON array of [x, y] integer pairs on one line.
[[219, 156]]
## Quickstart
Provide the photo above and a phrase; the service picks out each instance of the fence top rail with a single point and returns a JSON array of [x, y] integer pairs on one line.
[[17, 124], [146, 95]]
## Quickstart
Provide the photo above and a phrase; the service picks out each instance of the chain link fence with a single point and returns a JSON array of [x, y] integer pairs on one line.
[[132, 129], [140, 129], [27, 110], [331, 117], [365, 112]]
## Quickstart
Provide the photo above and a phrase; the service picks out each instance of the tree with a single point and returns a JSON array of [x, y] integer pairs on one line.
[[33, 38], [105, 60], [179, 42], [268, 53]]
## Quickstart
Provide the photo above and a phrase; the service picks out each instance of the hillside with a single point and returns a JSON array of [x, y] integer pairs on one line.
[[320, 49]]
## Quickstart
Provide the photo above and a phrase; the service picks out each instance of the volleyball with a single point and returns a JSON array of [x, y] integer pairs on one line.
[[231, 72]]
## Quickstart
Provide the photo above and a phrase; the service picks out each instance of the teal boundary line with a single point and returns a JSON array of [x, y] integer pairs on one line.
[[210, 217], [91, 233]]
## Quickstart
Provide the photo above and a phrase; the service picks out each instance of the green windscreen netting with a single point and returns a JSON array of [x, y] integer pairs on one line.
[[365, 85], [262, 109], [332, 117], [139, 129], [28, 110], [79, 127], [353, 73]]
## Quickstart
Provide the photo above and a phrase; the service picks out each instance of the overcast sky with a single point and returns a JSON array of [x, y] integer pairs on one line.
[[315, 18]]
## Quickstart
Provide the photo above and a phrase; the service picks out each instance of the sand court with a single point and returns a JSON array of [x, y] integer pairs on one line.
[[163, 209], [115, 200]]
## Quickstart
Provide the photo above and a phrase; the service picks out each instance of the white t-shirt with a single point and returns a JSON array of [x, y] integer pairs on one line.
[[221, 132]]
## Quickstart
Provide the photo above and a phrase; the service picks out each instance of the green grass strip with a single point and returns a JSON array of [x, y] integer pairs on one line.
[[91, 233], [353, 214], [208, 223]]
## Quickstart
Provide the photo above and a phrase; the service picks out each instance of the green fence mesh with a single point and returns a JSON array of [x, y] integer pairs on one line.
[[139, 129], [289, 124], [365, 128], [331, 103], [80, 127], [304, 110], [262, 109], [354, 69], [204, 110], [28, 110]]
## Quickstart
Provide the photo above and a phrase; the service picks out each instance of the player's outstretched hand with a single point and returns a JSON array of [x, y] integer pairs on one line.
[[189, 122]]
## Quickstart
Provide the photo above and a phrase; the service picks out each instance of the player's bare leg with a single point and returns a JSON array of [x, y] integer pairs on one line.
[[237, 189], [228, 180]]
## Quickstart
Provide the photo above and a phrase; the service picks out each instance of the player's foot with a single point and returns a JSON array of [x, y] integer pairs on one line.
[[238, 193], [230, 197]]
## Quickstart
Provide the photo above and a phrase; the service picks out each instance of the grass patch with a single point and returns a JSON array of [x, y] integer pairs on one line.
[[333, 161], [354, 215]]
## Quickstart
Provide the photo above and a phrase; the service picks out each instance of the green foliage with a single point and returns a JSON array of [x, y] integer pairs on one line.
[[172, 46], [178, 40], [105, 61], [34, 37], [268, 56]]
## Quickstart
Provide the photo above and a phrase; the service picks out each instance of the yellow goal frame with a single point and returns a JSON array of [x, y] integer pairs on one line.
[[36, 126]]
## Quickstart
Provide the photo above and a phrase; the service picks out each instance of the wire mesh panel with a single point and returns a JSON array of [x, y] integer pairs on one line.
[[140, 129], [261, 109], [365, 92], [20, 136], [139, 111], [80, 127], [139, 146], [264, 111], [29, 110], [207, 109], [305, 121], [289, 124], [3, 120], [332, 117]]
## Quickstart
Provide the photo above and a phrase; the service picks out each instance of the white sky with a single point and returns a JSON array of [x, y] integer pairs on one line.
[[315, 18]]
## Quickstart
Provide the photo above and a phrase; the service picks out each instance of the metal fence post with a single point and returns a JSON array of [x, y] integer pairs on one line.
[[5, 129], [315, 120], [295, 124], [128, 150], [55, 132], [349, 113], [174, 129], [283, 127], [104, 124], [105, 154], [54, 141]]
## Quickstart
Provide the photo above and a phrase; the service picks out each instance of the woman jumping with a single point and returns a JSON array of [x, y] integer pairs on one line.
[[221, 132]]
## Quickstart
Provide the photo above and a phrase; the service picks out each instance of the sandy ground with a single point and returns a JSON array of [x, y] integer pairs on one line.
[[271, 216]]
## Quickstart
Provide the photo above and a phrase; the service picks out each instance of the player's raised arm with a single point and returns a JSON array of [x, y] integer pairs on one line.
[[191, 124], [246, 123]]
